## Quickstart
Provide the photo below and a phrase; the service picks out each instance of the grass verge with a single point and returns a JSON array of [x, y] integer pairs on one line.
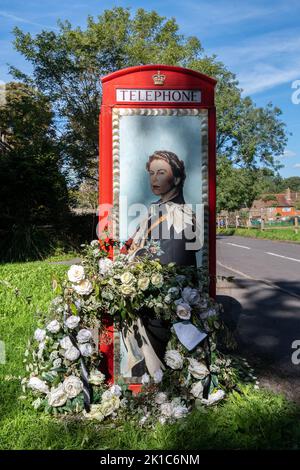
[[254, 419], [269, 234]]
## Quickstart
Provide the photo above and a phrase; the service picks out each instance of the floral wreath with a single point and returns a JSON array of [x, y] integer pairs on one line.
[[62, 363]]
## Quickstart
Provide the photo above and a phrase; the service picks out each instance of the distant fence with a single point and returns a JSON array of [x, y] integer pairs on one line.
[[238, 220]]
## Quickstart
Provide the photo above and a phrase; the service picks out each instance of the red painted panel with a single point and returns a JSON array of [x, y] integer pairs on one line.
[[141, 77]]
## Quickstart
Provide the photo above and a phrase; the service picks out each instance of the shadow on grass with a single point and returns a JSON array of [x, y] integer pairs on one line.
[[255, 420]]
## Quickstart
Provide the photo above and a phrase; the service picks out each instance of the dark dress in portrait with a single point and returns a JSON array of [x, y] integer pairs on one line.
[[173, 246]]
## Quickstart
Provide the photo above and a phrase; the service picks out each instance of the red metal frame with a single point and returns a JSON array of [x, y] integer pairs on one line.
[[177, 78]]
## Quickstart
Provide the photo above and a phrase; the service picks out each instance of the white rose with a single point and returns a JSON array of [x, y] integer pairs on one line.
[[174, 359], [84, 336], [72, 322], [108, 407], [95, 413], [84, 287], [197, 390], [39, 334], [143, 283], [37, 384], [161, 398], [157, 376], [127, 278], [145, 379], [166, 409], [183, 311], [86, 349], [105, 266], [214, 398], [72, 386], [65, 343], [53, 326], [57, 396], [197, 369], [96, 377], [180, 411], [127, 290], [157, 279], [115, 390], [162, 420], [56, 363], [72, 354], [106, 396], [76, 273], [191, 296], [94, 243], [211, 312]]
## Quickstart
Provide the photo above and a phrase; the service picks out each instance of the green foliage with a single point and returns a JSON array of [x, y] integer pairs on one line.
[[287, 234], [269, 197], [67, 65], [237, 187], [293, 182], [33, 190]]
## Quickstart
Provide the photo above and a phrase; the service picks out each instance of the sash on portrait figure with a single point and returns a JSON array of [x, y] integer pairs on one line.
[[172, 224]]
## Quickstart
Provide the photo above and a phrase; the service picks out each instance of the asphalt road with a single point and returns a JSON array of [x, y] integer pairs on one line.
[[272, 261], [262, 304]]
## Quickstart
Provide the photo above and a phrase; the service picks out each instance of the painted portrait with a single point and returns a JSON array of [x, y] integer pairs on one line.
[[160, 193]]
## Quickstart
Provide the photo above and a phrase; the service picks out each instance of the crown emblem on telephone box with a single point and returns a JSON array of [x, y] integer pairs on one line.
[[158, 78]]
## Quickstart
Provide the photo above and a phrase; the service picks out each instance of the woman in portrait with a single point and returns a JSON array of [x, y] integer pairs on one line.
[[171, 223]]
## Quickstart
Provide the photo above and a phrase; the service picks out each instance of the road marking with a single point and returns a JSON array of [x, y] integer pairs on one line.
[[240, 246], [264, 281], [280, 256], [235, 271]]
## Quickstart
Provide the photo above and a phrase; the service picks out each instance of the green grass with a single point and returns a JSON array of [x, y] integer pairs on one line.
[[287, 234], [253, 420]]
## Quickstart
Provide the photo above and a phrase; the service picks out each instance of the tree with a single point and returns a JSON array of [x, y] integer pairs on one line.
[[33, 190], [293, 182], [237, 187], [67, 66]]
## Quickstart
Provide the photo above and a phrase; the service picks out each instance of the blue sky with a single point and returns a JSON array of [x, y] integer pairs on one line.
[[257, 40]]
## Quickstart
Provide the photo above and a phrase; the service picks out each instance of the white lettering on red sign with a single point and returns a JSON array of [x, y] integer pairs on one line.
[[158, 96]]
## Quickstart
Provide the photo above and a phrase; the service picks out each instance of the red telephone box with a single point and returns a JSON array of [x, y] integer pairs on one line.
[[145, 110]]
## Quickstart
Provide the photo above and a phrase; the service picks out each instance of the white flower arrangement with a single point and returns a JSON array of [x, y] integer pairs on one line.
[[40, 335], [37, 384], [72, 386], [76, 273], [84, 336], [54, 360], [72, 322], [84, 287], [57, 396], [53, 326], [198, 369], [174, 359]]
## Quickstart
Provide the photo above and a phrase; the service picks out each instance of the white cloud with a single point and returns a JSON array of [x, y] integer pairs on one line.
[[20, 19], [297, 165], [223, 14], [288, 154], [265, 61]]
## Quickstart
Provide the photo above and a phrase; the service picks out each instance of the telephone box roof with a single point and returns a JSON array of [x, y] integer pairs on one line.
[[171, 68]]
